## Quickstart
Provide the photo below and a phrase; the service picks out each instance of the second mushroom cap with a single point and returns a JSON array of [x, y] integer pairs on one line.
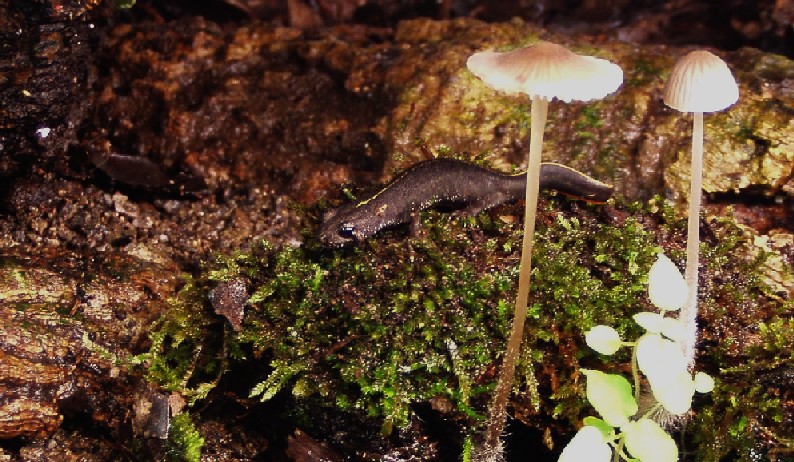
[[700, 82]]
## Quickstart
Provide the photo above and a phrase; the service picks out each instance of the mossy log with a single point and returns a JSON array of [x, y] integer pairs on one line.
[[68, 324]]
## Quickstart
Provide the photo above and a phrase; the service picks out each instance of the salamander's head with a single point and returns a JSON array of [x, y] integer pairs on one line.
[[346, 224]]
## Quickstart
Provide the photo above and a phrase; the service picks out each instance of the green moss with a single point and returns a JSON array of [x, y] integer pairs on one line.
[[405, 320], [778, 336], [644, 71], [183, 357], [372, 329], [376, 353], [589, 117], [746, 411], [748, 404], [184, 440]]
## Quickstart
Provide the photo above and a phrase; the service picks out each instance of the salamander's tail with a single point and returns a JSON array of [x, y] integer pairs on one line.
[[573, 183]]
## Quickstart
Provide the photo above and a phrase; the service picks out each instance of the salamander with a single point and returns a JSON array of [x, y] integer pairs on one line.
[[444, 181]]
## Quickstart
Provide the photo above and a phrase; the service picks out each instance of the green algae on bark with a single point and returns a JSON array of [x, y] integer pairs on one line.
[[63, 321]]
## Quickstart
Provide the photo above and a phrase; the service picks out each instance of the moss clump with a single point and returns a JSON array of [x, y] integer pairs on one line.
[[750, 416], [372, 329], [401, 320], [752, 404], [182, 357], [184, 441]]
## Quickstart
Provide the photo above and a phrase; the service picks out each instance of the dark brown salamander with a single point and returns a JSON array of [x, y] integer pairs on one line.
[[450, 182]]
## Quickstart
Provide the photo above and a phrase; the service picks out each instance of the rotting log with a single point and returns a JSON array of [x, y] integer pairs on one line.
[[67, 322]]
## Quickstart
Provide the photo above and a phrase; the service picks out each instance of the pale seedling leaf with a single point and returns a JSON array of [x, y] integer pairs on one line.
[[603, 339], [648, 442], [673, 329], [611, 396], [674, 392], [667, 288], [606, 429], [657, 356], [663, 362], [704, 383], [588, 444], [652, 322]]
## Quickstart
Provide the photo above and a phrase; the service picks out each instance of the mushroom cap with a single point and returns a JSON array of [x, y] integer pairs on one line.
[[700, 82], [548, 71]]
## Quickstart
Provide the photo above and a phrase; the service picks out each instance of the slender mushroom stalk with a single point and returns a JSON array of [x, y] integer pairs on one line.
[[689, 313], [699, 82], [543, 71], [539, 112]]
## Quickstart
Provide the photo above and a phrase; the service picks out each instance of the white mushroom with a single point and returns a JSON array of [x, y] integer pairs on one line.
[[543, 71], [700, 82], [547, 70]]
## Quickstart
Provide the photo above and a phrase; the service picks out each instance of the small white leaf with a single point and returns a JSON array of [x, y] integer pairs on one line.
[[704, 383], [664, 364], [652, 322], [659, 356], [588, 444], [674, 392], [603, 339], [611, 396], [673, 329], [648, 442], [666, 286]]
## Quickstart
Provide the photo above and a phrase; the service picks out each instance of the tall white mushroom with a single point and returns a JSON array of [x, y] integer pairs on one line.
[[543, 71], [700, 82]]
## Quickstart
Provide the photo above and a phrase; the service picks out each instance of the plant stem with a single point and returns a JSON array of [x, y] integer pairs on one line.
[[635, 373], [619, 452], [498, 417], [651, 411], [688, 314]]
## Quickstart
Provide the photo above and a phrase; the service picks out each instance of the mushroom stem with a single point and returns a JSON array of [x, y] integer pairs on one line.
[[688, 315], [498, 411]]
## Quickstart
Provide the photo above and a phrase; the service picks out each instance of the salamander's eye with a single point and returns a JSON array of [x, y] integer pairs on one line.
[[347, 231]]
